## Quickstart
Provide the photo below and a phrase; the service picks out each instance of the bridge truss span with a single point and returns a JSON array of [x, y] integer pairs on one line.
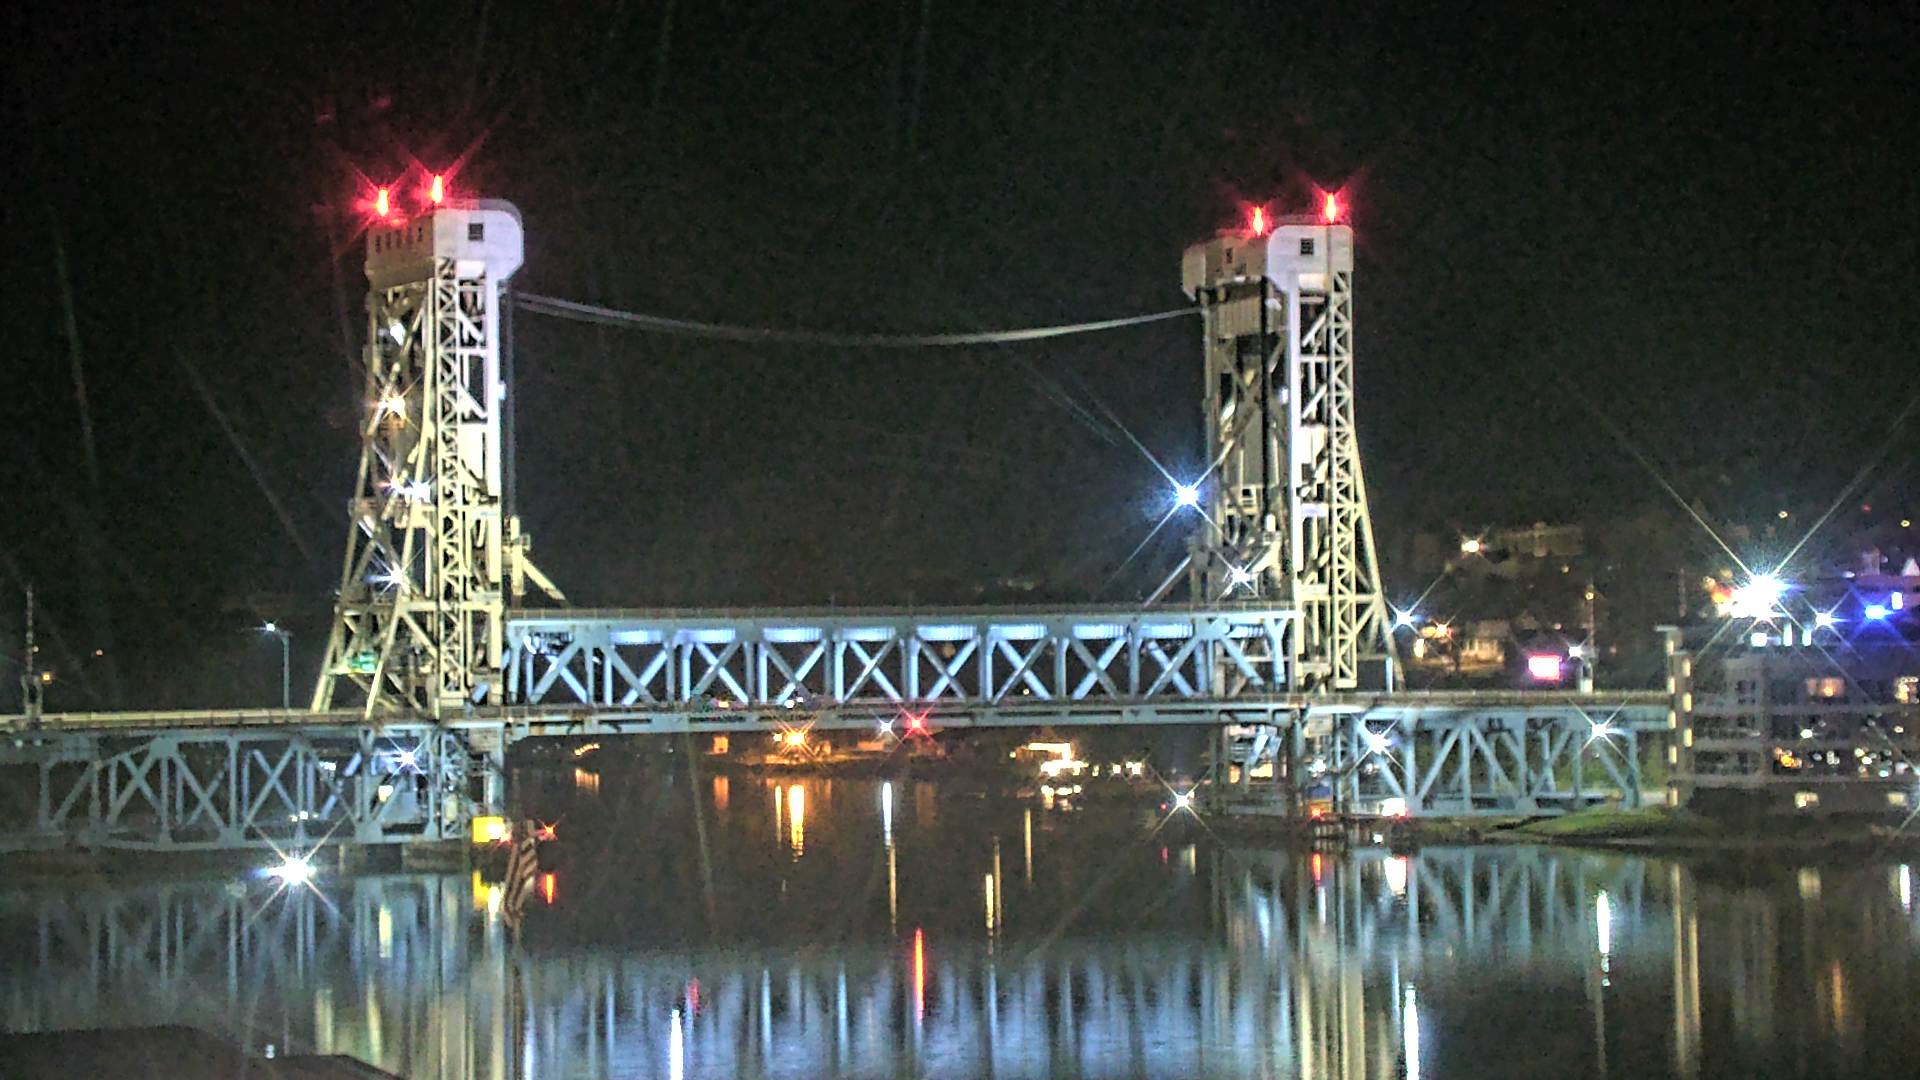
[[288, 786], [1093, 658]]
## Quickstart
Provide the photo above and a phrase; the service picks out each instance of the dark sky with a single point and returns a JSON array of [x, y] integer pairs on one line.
[[1698, 227]]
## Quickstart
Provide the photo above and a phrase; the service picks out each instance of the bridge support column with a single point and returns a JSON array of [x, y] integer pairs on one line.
[[1679, 718]]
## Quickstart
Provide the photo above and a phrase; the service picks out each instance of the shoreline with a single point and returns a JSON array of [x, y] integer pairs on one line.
[[1649, 831]]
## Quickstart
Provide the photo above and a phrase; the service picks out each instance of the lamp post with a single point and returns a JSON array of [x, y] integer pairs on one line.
[[286, 661]]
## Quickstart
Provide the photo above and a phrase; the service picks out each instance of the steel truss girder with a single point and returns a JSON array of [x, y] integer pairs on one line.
[[217, 789], [947, 661], [1450, 760]]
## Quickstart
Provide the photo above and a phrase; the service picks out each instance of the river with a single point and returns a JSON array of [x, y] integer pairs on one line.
[[869, 928]]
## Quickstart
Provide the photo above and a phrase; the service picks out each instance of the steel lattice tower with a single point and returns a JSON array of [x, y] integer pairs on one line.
[[1285, 498], [432, 552]]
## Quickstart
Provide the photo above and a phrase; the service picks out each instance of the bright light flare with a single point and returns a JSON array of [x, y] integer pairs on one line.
[[1471, 545], [1378, 742], [1258, 221], [1758, 598], [1239, 576], [1825, 620], [437, 192], [382, 202], [1876, 612], [407, 759], [1404, 617], [1330, 207], [1186, 496], [1183, 800], [294, 869]]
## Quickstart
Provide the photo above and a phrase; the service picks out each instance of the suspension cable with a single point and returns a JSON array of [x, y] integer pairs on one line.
[[660, 324]]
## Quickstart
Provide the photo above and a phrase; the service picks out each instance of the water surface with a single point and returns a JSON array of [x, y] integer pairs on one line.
[[864, 928]]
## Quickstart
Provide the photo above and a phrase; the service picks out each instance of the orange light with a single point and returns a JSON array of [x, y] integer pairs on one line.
[[547, 832], [438, 192], [1316, 868], [382, 202], [547, 884], [1330, 208], [1259, 221]]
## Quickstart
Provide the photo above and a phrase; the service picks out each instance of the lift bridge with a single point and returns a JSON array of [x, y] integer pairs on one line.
[[1273, 631]]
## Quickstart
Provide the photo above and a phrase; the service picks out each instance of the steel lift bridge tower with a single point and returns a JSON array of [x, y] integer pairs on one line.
[[1285, 497], [434, 551]]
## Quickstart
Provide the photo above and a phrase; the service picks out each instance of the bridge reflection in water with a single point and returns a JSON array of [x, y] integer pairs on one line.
[[1315, 965]]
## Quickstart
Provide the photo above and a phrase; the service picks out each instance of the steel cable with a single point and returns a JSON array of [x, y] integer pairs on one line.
[[661, 324]]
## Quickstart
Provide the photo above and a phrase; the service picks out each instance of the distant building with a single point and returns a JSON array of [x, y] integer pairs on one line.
[[1818, 707]]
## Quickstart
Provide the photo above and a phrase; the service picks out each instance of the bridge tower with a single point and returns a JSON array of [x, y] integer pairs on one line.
[[432, 549], [1284, 497]]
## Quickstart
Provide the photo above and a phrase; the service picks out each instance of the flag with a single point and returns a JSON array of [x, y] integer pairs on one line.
[[523, 866]]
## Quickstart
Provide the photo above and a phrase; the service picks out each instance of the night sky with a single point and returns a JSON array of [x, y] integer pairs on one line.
[[1698, 230]]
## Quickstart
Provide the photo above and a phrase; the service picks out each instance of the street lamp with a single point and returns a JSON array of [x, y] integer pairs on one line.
[[286, 660]]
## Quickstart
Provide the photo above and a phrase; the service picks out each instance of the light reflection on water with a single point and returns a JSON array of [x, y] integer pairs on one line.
[[865, 929]]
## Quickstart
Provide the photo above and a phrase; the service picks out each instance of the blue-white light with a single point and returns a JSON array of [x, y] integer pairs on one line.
[[294, 869], [1876, 611], [1186, 496], [1759, 598]]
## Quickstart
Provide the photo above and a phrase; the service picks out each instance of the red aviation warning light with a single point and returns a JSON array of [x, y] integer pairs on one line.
[[1259, 221], [437, 194], [1330, 208], [382, 202]]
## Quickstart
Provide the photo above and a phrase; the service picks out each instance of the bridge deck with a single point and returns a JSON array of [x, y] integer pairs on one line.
[[1639, 708]]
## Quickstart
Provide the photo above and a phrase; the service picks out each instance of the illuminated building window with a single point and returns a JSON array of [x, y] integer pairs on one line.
[[1805, 800], [1906, 689], [1897, 798], [1826, 688]]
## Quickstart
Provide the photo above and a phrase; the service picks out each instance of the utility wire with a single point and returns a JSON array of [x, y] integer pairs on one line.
[[660, 324]]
